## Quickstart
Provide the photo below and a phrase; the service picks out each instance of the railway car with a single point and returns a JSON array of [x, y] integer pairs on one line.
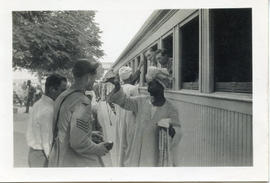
[[211, 52]]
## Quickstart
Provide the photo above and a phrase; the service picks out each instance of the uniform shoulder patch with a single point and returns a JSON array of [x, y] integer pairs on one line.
[[83, 125]]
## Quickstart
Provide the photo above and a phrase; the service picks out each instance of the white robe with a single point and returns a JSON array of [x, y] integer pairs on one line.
[[144, 151], [124, 130]]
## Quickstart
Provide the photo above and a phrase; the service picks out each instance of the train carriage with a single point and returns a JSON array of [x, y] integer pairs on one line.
[[211, 51]]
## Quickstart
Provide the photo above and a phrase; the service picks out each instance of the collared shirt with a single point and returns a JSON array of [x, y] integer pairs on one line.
[[73, 146], [39, 131]]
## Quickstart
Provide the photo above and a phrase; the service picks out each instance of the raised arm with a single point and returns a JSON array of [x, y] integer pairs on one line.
[[117, 96], [136, 75]]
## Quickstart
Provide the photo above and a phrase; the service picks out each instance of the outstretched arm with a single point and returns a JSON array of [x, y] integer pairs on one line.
[[136, 76], [117, 96]]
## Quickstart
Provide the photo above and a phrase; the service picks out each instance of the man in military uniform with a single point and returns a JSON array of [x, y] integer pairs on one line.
[[72, 146]]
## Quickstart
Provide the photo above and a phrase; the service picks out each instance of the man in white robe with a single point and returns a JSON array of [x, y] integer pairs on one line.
[[125, 120], [148, 111]]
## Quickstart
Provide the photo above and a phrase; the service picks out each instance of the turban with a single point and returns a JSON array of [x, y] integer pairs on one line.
[[161, 75], [125, 72]]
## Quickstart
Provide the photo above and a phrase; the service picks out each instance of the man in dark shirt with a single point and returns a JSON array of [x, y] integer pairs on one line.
[[30, 96]]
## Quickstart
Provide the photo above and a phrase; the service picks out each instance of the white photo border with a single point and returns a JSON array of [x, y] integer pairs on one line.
[[259, 171]]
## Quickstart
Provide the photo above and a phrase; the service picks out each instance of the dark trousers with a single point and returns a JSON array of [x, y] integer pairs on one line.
[[28, 104], [37, 158]]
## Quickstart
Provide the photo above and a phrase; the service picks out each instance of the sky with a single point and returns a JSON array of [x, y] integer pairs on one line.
[[118, 28]]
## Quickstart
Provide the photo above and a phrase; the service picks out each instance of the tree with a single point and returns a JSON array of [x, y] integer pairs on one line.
[[49, 41]]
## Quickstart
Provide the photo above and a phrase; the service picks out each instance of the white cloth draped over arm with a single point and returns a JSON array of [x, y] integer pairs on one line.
[[176, 123]]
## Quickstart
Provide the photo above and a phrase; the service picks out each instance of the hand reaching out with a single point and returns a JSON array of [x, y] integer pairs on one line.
[[116, 82]]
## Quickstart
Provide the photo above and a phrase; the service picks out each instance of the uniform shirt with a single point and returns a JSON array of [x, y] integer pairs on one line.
[[73, 146], [39, 131]]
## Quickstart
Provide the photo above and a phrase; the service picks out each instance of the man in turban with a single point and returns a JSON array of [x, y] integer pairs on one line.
[[125, 120], [148, 111]]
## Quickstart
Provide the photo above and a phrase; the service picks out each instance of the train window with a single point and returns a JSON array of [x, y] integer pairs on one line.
[[165, 57], [149, 55], [155, 47], [190, 54], [136, 64], [167, 44], [138, 61], [232, 50], [145, 67], [133, 66]]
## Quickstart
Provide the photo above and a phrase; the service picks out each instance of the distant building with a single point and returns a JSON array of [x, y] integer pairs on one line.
[[106, 66]]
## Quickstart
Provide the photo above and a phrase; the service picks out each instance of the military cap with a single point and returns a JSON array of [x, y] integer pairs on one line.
[[84, 66]]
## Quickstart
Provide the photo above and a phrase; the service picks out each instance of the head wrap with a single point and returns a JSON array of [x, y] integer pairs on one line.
[[161, 75], [125, 72]]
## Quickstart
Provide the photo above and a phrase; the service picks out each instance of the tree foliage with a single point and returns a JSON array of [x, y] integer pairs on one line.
[[49, 41]]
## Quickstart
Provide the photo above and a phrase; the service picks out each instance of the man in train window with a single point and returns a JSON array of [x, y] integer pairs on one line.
[[135, 77], [148, 111], [161, 56], [164, 60], [72, 125], [150, 56]]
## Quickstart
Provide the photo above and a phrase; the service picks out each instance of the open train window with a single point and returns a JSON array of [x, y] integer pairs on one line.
[[138, 61], [190, 54], [150, 55], [167, 44], [167, 52], [145, 67], [133, 66], [136, 65], [155, 47], [232, 39], [150, 58]]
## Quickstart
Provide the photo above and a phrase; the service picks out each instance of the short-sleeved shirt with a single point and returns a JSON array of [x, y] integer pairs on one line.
[[73, 146]]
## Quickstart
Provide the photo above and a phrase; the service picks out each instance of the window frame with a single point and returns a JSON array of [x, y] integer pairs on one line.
[[178, 75], [162, 38], [230, 87]]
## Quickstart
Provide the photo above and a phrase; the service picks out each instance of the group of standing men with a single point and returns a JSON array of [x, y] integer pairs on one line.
[[60, 132], [138, 135]]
